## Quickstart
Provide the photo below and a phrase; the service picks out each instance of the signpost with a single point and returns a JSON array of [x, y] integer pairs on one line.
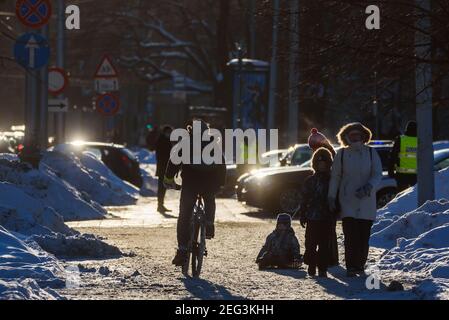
[[33, 13], [32, 51]]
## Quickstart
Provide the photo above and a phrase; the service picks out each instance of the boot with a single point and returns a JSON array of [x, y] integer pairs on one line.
[[311, 271], [180, 258], [210, 231]]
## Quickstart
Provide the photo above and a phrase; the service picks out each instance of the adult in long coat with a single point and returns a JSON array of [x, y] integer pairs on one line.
[[356, 173]]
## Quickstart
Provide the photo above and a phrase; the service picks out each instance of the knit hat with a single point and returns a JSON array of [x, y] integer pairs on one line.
[[284, 218], [322, 154], [317, 139]]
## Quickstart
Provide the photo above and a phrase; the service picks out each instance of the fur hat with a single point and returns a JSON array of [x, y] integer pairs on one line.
[[284, 218], [322, 154], [366, 133], [317, 139]]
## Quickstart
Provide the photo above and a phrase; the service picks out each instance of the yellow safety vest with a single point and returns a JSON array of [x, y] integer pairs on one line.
[[408, 155]]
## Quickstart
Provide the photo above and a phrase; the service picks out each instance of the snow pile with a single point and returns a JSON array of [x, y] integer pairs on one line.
[[147, 161], [408, 200], [410, 225], [94, 164], [91, 179], [51, 191], [424, 259], [27, 272], [24, 214], [144, 156], [86, 246]]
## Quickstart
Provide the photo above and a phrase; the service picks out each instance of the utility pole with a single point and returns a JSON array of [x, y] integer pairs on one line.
[[43, 116], [426, 179], [60, 63], [274, 66], [293, 92]]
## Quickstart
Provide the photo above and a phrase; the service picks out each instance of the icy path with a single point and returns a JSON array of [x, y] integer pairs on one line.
[[229, 272]]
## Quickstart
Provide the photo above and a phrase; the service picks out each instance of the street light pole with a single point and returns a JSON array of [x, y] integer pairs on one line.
[[43, 118], [60, 63], [274, 66], [423, 39], [293, 99]]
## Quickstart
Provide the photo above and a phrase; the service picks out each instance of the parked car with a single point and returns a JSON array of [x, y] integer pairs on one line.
[[117, 158], [279, 190], [270, 159]]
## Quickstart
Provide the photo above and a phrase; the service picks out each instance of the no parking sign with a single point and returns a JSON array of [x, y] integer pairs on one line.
[[108, 104], [33, 13]]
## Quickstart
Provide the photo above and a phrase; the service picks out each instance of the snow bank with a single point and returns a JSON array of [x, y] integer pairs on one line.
[[27, 272], [410, 225], [51, 191], [91, 179], [86, 246], [408, 200], [144, 156], [147, 161], [22, 213], [424, 259]]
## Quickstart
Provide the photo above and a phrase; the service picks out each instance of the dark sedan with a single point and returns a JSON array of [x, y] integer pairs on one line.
[[117, 158]]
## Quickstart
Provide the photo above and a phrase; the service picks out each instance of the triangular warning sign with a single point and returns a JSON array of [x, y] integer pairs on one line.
[[106, 69]]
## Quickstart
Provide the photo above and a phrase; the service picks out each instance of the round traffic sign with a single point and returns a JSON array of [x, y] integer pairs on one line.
[[57, 81], [108, 104], [33, 13], [32, 51]]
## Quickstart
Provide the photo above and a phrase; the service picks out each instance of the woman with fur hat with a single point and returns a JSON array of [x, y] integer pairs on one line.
[[356, 173]]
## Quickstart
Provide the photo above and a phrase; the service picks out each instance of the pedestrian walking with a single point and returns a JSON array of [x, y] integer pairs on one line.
[[356, 173], [163, 149]]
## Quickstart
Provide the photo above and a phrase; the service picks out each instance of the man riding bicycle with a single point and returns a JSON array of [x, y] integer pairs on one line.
[[202, 180]]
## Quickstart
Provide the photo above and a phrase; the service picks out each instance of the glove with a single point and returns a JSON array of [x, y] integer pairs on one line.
[[169, 183], [364, 191], [303, 222], [331, 202]]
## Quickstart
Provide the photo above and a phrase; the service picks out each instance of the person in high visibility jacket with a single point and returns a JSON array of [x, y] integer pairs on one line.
[[403, 164]]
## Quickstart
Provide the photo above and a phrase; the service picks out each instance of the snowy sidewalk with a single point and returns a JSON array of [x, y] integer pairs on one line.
[[144, 214]]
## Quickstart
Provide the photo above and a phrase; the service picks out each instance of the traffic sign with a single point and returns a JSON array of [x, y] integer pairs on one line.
[[32, 51], [57, 81], [106, 85], [58, 105], [106, 69], [33, 13], [108, 104]]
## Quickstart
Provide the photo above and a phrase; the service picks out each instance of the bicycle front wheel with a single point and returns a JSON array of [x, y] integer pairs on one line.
[[198, 248]]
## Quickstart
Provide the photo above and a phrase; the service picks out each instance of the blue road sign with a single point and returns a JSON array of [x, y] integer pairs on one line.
[[32, 51]]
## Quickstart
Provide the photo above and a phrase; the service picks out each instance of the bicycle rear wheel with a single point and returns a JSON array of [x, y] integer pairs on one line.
[[198, 248]]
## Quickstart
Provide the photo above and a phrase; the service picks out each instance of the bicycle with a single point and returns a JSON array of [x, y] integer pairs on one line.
[[197, 244]]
